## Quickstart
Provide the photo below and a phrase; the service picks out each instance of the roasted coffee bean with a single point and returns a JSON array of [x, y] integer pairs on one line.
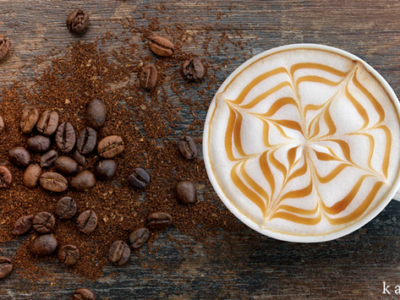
[[5, 46], [193, 69], [105, 169], [161, 46], [48, 122], [68, 255], [66, 165], [139, 178], [38, 144], [32, 176], [186, 192], [83, 294], [65, 137], [119, 253], [78, 21], [111, 146], [87, 221], [48, 159], [1, 124], [5, 177], [23, 225], [44, 245], [53, 182], [148, 77], [96, 113], [19, 156], [83, 181], [6, 265], [159, 220], [79, 158], [138, 238], [187, 147], [87, 141], [30, 116], [44, 223], [66, 208]]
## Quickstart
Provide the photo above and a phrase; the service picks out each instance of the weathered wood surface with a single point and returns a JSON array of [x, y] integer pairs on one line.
[[248, 266]]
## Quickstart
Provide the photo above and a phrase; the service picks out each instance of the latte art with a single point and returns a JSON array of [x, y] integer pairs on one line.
[[304, 142]]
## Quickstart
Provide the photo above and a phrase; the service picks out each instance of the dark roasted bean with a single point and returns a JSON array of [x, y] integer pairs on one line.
[[105, 169], [2, 125], [138, 238], [66, 208], [53, 182], [30, 116], [87, 221], [5, 177], [38, 144], [87, 141], [96, 113], [83, 294], [148, 77], [19, 156], [44, 245], [5, 46], [79, 158], [66, 165], [186, 192], [68, 255], [111, 146], [32, 176], [161, 46], [78, 21], [83, 181], [6, 265], [48, 122], [187, 147], [65, 137], [139, 178], [48, 159], [193, 69], [159, 220], [44, 223], [23, 225], [119, 253]]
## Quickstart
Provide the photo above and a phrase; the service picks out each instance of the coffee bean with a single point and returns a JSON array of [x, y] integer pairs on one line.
[[148, 77], [66, 208], [111, 146], [68, 255], [5, 46], [96, 113], [187, 147], [79, 158], [1, 124], [139, 178], [138, 238], [53, 182], [5, 177], [193, 69], [44, 222], [186, 192], [48, 159], [159, 220], [87, 221], [66, 165], [23, 225], [65, 137], [83, 294], [19, 156], [30, 116], [161, 46], [6, 265], [78, 21], [83, 181], [119, 253], [32, 176], [87, 141], [105, 169], [38, 143], [44, 245], [48, 122]]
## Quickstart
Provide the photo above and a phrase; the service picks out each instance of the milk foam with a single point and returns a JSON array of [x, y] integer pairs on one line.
[[336, 129]]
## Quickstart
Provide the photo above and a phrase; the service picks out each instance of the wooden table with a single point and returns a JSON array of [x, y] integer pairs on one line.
[[249, 265]]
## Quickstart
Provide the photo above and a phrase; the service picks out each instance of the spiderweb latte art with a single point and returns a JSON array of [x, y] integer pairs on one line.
[[304, 142]]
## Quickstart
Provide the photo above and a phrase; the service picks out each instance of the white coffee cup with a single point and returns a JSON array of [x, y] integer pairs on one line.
[[394, 192]]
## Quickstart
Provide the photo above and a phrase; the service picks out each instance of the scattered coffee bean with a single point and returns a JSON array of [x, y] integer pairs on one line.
[[44, 223], [38, 144], [83, 181], [5, 177], [119, 253], [148, 77], [87, 141], [111, 146], [23, 225], [83, 294], [44, 245], [48, 159], [186, 192], [105, 169], [53, 182], [139, 178], [96, 113], [48, 122], [5, 46], [19, 156], [187, 147], [31, 176], [65, 137], [79, 158], [6, 265], [77, 21], [1, 124], [66, 208], [66, 165], [193, 69], [68, 255], [87, 221], [159, 220], [161, 46], [30, 116], [138, 238]]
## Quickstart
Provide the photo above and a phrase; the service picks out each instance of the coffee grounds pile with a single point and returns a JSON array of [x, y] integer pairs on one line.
[[149, 123]]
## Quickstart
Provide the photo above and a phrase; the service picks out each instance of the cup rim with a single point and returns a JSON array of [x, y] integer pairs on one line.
[[279, 235]]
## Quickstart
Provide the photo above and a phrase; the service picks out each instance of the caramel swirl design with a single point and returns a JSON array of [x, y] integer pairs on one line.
[[304, 141]]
